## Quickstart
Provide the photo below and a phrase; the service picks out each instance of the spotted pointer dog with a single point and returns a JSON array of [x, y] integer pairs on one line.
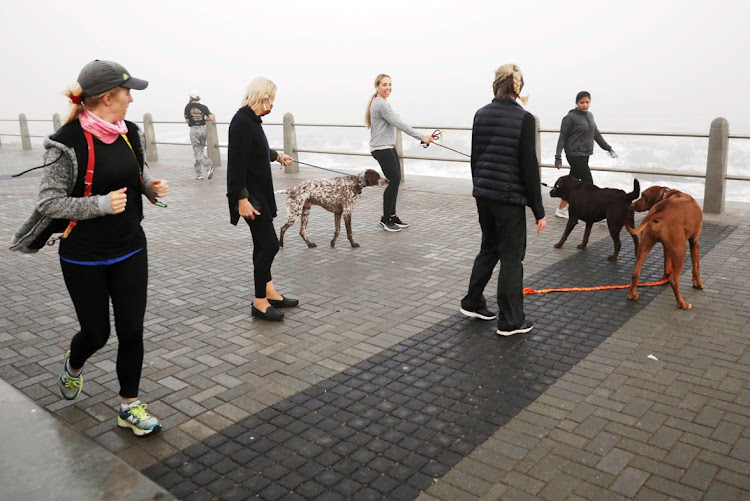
[[335, 195]]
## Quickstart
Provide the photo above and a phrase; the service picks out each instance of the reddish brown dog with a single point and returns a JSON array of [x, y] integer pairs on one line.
[[673, 218]]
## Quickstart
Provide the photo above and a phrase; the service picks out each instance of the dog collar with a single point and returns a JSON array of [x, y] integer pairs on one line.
[[662, 194]]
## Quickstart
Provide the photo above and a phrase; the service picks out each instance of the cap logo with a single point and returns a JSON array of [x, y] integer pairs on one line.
[[125, 76]]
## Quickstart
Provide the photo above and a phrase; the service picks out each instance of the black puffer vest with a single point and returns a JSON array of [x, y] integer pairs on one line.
[[496, 138]]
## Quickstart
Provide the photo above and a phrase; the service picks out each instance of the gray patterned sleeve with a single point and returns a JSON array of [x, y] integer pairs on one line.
[[54, 199]]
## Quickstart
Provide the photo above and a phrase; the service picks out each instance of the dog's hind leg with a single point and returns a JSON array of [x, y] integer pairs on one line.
[[695, 257], [618, 245], [337, 227], [647, 243], [631, 221], [303, 224], [348, 223], [586, 235], [283, 229], [677, 255]]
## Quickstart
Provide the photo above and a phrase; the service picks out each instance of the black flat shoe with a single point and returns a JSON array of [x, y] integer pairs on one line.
[[284, 302], [270, 314]]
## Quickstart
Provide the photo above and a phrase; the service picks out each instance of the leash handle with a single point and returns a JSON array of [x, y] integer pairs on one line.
[[437, 135]]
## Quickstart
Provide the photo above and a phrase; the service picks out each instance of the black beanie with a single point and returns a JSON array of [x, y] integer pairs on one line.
[[581, 95]]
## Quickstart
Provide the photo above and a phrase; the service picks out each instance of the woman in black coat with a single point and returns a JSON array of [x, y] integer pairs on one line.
[[250, 192]]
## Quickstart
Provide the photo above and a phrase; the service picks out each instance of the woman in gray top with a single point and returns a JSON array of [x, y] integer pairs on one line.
[[578, 132], [383, 122]]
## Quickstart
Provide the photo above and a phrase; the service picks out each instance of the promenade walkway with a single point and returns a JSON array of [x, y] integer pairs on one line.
[[375, 387]]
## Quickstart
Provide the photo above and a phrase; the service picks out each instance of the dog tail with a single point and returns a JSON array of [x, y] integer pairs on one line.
[[635, 193], [281, 192]]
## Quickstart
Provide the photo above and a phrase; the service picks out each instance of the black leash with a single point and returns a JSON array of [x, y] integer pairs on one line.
[[39, 167], [323, 168]]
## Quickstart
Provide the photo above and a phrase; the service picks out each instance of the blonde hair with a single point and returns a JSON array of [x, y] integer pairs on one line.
[[259, 89], [88, 102], [369, 104], [509, 82]]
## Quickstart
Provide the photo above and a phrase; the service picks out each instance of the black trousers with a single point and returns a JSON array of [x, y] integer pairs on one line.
[[579, 167], [265, 247], [91, 288], [504, 239], [389, 164]]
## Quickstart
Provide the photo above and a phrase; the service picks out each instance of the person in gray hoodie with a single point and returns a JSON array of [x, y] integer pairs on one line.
[[578, 132], [92, 184]]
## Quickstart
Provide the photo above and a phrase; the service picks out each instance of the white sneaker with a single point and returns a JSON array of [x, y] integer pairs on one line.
[[562, 212], [198, 177]]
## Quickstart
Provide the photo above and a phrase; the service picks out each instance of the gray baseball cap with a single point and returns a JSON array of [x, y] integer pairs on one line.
[[99, 76]]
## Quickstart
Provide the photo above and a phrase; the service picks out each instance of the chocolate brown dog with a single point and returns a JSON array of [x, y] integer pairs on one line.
[[590, 204], [673, 218]]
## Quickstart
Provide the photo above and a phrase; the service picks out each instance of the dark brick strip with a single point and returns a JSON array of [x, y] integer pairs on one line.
[[390, 425]]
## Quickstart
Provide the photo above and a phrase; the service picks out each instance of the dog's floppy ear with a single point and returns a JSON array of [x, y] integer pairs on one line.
[[371, 177]]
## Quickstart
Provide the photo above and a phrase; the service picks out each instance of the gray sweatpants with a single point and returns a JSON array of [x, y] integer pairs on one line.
[[198, 140]]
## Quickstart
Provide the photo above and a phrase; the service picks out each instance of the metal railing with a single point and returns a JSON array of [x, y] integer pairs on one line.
[[715, 175]]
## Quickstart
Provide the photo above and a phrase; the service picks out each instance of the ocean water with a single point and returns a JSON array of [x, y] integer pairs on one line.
[[641, 153]]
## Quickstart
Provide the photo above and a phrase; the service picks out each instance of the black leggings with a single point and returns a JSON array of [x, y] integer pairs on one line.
[[265, 247], [90, 288], [389, 164], [579, 167]]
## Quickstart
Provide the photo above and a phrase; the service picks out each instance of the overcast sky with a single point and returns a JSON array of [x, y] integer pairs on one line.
[[649, 65]]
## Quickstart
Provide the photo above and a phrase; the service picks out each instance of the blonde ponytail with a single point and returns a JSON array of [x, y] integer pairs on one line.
[[73, 93], [369, 105], [509, 82]]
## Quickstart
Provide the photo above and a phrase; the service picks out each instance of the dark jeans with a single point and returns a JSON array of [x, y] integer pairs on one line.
[[90, 289], [504, 239], [389, 164], [265, 247], [579, 167]]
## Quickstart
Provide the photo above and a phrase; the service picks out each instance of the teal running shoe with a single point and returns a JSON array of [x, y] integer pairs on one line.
[[70, 386], [137, 419]]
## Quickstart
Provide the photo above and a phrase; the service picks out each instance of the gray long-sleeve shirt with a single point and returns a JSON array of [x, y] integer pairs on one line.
[[383, 124], [578, 132]]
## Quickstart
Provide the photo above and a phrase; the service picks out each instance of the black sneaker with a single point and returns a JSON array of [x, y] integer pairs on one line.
[[389, 226], [481, 313], [395, 220], [525, 327]]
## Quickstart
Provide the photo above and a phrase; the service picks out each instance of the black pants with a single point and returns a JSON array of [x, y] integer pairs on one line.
[[265, 247], [504, 239], [389, 164], [579, 167], [90, 289]]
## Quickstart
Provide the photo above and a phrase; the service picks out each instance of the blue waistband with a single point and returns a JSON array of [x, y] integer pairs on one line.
[[101, 263]]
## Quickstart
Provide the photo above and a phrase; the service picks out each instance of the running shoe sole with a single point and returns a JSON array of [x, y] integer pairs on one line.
[[474, 314], [386, 228], [517, 331], [125, 424]]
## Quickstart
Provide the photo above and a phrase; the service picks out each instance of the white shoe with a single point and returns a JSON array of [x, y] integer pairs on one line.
[[562, 212]]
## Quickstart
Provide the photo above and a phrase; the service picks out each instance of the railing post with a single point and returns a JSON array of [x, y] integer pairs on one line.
[[212, 142], [400, 153], [716, 167], [148, 130], [25, 137], [290, 143], [56, 122], [538, 140]]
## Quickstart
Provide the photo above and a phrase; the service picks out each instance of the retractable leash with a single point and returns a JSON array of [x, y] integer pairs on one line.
[[438, 136], [323, 168]]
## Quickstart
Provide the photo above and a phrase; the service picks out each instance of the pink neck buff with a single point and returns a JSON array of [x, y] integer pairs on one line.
[[105, 131]]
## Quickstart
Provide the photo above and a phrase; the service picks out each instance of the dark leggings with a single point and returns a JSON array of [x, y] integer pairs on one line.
[[265, 247], [389, 164], [579, 167], [90, 289]]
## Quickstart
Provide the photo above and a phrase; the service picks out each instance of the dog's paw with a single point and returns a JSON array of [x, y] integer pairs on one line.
[[612, 258], [581, 246], [311, 245], [633, 296], [558, 245], [685, 305], [697, 284], [355, 245]]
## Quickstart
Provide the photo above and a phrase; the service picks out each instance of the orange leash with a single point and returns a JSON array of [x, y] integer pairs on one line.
[[528, 290]]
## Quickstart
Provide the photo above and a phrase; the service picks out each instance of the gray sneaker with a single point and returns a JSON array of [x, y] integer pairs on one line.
[[70, 386], [137, 419], [210, 172], [525, 327]]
